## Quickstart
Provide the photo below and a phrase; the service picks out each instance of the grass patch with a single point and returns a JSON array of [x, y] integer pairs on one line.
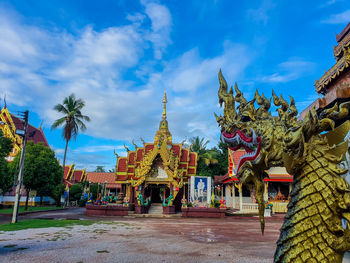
[[44, 223], [30, 209]]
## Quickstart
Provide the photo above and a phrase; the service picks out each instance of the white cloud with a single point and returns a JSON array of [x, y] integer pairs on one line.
[[94, 65], [261, 14], [341, 18], [289, 70], [98, 148], [161, 26], [328, 3]]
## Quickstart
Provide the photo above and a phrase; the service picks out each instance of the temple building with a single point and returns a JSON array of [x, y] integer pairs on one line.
[[158, 168], [277, 187], [104, 178], [9, 125], [72, 176], [334, 84]]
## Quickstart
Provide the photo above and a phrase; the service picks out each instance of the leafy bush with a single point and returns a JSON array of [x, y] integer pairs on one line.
[[75, 192]]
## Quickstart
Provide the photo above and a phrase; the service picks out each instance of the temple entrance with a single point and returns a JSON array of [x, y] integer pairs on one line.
[[157, 193]]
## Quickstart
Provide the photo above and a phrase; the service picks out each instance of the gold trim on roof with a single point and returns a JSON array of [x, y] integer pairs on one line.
[[333, 72]]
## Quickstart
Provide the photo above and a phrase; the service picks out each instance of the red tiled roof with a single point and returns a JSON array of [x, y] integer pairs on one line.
[[122, 177], [184, 155], [122, 162], [193, 159], [38, 135], [236, 155], [101, 178], [68, 171], [132, 158], [176, 149], [139, 154], [77, 175], [149, 147]]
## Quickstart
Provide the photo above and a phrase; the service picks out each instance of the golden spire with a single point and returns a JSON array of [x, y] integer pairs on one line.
[[163, 133], [164, 107]]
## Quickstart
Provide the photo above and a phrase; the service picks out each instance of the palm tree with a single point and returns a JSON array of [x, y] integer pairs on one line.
[[199, 145], [72, 121]]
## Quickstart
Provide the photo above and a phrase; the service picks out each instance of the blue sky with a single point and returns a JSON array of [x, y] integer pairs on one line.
[[119, 56]]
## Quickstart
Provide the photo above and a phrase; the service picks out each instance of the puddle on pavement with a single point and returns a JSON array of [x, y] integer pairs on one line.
[[206, 235]]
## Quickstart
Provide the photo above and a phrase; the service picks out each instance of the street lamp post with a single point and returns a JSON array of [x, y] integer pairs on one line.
[[21, 168]]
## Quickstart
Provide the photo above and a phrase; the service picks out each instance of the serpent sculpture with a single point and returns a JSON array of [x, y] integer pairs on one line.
[[311, 150]]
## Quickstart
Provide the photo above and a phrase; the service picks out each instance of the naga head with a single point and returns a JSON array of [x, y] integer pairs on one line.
[[254, 129]]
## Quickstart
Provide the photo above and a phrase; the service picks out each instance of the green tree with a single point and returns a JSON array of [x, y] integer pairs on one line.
[[42, 171], [198, 145], [72, 121], [6, 178], [57, 193], [212, 161], [93, 190], [75, 192], [100, 169]]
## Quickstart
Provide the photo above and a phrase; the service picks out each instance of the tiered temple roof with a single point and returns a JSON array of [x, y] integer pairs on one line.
[[334, 85], [72, 176], [176, 158]]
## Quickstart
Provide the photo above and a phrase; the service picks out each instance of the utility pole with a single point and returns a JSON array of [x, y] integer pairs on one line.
[[21, 168]]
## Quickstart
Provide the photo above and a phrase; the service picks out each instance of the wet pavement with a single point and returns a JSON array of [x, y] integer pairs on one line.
[[130, 239]]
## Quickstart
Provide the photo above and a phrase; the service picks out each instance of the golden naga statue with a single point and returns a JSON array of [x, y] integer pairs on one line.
[[311, 150]]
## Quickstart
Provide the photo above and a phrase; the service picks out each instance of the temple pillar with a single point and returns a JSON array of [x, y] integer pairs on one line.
[[233, 195], [240, 198], [290, 187], [266, 191], [228, 198]]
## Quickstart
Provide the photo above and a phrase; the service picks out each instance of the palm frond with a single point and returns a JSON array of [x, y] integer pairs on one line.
[[58, 123]]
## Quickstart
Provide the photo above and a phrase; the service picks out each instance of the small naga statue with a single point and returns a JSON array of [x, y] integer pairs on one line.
[[310, 150]]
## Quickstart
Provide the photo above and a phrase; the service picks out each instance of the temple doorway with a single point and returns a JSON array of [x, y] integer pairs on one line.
[[157, 193]]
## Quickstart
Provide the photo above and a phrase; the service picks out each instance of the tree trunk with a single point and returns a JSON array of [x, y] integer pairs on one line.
[[64, 159], [27, 198]]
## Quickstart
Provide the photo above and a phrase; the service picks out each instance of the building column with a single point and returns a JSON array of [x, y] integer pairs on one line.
[[240, 198], [233, 195], [266, 191]]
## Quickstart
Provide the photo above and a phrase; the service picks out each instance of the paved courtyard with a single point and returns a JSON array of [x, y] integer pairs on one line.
[[143, 240]]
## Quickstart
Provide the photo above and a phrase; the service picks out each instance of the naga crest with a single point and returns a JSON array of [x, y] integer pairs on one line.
[[302, 146]]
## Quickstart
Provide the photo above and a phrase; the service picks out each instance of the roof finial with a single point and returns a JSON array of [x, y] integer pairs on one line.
[[164, 107]]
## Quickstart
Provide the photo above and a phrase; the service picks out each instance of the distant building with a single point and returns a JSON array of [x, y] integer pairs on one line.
[[104, 178], [277, 187], [334, 84], [13, 123], [72, 176]]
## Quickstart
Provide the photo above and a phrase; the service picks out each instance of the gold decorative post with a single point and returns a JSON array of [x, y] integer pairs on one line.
[[164, 107], [266, 191]]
